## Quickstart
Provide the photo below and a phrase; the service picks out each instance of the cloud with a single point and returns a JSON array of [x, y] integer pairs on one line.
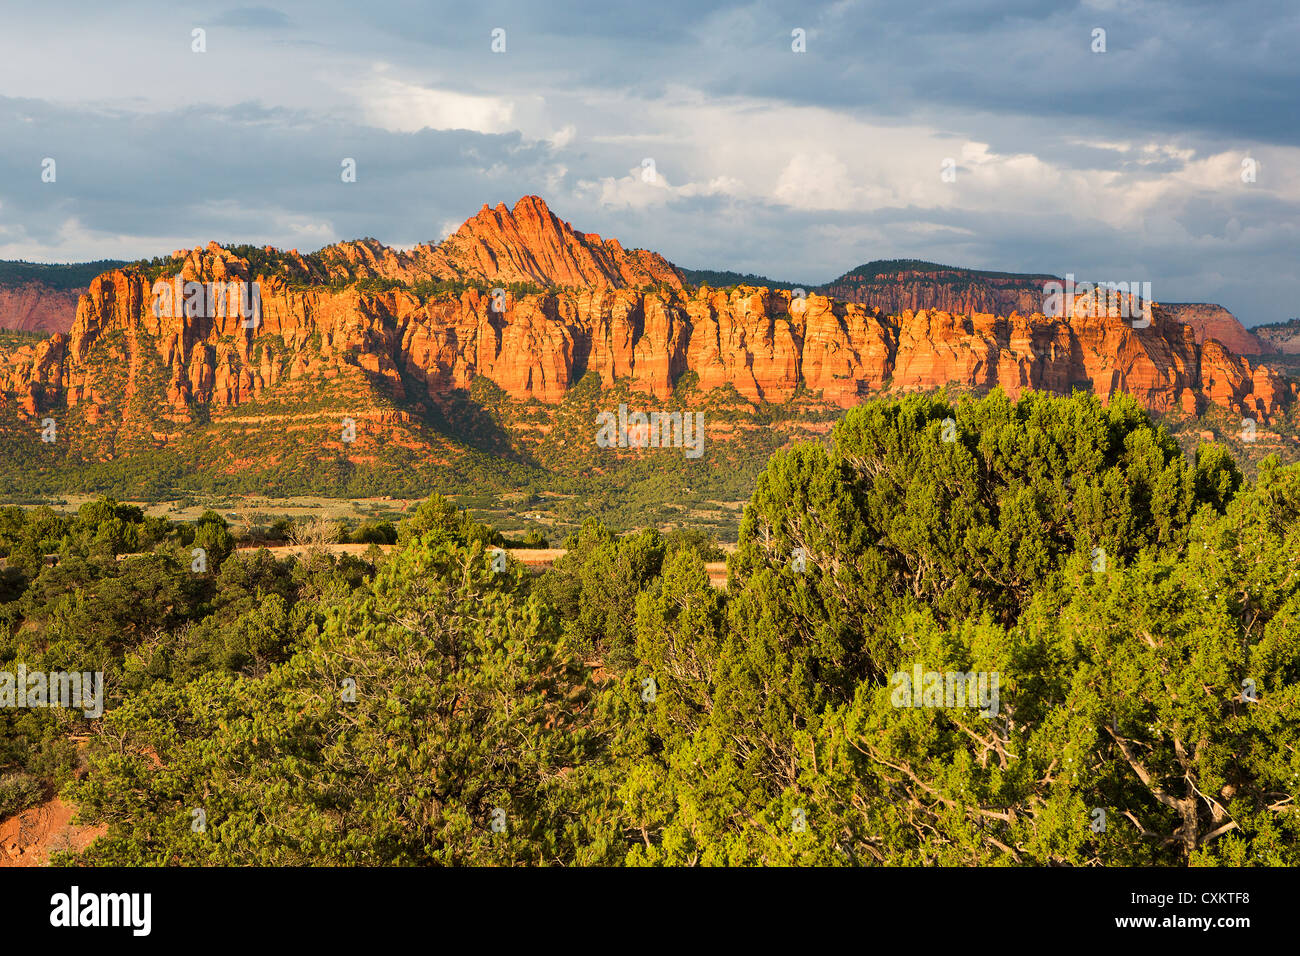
[[563, 137], [397, 106], [799, 165], [817, 180], [253, 18], [647, 186]]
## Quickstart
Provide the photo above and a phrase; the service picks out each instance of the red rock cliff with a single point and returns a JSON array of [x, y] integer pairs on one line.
[[526, 244], [1211, 321], [620, 314], [758, 341], [37, 307]]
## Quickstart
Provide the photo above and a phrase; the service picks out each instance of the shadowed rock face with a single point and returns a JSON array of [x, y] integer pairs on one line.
[[894, 287], [37, 307], [1211, 321], [622, 315]]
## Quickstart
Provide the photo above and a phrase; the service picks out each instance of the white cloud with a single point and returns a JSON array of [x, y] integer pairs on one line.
[[814, 181], [563, 137], [403, 107], [642, 188]]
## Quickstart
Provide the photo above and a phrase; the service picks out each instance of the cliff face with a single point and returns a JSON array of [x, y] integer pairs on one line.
[[1211, 321], [1282, 337], [37, 307], [761, 342], [42, 297], [622, 315], [894, 287]]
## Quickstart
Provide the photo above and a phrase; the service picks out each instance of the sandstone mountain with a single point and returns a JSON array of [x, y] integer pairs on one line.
[[527, 244], [530, 245], [893, 285], [1282, 337], [767, 345], [396, 338], [35, 297], [1211, 321]]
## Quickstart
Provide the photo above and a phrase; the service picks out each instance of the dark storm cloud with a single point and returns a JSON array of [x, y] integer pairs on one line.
[[1219, 70], [226, 173], [245, 143]]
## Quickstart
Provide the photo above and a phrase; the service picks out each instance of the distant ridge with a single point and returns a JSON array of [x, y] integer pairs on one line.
[[725, 278], [56, 275], [894, 285], [885, 267], [42, 297], [1212, 321], [1282, 336]]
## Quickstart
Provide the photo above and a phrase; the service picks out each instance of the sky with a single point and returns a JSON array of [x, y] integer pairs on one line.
[[792, 140]]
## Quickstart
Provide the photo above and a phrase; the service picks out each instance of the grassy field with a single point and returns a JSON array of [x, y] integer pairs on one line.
[[514, 514]]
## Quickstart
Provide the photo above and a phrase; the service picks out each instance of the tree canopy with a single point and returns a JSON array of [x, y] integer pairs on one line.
[[980, 632]]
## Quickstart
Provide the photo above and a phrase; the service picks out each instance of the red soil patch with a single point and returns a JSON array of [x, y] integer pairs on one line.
[[30, 837]]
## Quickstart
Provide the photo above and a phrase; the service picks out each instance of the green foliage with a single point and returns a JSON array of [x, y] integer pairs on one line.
[[18, 791], [933, 272], [71, 275], [375, 532], [1134, 619], [595, 586], [467, 710], [439, 519], [894, 516], [723, 279], [1121, 685], [212, 534]]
